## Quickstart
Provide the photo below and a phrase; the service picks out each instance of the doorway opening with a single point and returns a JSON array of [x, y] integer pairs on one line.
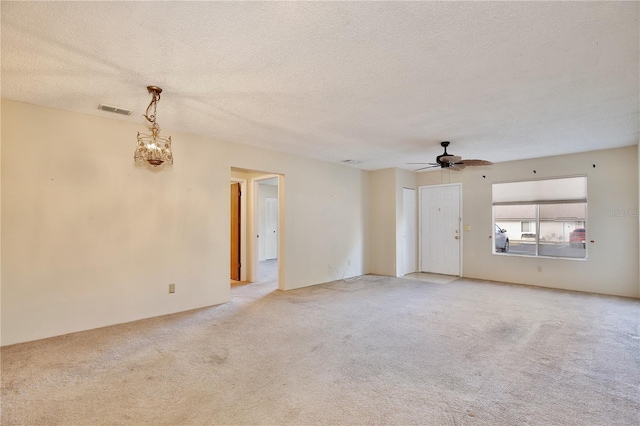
[[267, 219], [259, 245]]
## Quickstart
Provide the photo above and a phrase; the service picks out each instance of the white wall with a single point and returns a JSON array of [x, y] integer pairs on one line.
[[387, 220], [382, 225], [90, 239], [612, 266]]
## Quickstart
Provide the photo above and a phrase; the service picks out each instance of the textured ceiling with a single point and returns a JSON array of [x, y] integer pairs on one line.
[[378, 82]]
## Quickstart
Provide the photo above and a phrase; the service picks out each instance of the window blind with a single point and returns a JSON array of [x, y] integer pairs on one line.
[[560, 190]]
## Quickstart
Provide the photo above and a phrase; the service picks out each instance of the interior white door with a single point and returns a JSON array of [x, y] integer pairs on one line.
[[440, 229], [271, 228], [410, 231]]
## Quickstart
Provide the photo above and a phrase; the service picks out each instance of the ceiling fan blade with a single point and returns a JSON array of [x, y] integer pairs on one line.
[[428, 167], [476, 162], [433, 164]]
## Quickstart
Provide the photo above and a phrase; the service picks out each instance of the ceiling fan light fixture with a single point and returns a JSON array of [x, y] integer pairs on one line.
[[450, 159], [153, 149], [457, 167]]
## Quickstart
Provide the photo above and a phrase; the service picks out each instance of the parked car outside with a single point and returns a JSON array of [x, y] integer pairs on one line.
[[577, 238], [501, 240]]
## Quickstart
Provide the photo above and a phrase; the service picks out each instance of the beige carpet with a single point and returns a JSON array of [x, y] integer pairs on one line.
[[374, 351]]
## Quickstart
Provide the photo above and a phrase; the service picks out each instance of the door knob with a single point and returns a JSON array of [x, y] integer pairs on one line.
[[457, 237]]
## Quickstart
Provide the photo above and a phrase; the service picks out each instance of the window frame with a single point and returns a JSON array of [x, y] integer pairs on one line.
[[537, 221]]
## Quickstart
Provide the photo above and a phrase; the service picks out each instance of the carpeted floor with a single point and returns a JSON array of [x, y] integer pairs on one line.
[[267, 276], [374, 351]]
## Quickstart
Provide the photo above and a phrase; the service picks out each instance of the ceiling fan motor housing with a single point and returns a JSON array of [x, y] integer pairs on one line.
[[443, 164]]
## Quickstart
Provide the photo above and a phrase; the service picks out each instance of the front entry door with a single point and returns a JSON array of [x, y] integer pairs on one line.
[[440, 220]]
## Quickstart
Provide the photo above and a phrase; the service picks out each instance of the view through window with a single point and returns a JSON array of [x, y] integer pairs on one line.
[[541, 218]]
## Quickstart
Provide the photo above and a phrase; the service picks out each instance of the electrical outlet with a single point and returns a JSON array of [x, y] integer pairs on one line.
[[349, 262], [539, 268], [330, 264], [172, 288]]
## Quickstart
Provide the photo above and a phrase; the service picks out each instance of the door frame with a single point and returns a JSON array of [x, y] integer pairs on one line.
[[415, 229], [461, 224], [243, 227], [254, 220]]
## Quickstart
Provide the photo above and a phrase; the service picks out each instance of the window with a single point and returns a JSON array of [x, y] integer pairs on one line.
[[528, 229], [544, 218]]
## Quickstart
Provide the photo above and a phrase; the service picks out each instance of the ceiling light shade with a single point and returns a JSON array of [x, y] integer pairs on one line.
[[153, 148]]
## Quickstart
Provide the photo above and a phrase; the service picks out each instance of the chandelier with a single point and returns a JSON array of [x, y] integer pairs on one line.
[[153, 148]]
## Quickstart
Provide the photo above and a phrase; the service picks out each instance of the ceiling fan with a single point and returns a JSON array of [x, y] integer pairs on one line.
[[452, 162]]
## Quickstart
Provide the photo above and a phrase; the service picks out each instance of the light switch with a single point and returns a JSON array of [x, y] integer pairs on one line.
[[467, 227]]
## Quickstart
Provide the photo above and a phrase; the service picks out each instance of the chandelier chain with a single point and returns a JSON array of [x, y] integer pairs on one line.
[[154, 103]]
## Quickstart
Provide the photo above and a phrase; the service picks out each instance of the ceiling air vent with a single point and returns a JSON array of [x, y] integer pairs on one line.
[[114, 109]]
